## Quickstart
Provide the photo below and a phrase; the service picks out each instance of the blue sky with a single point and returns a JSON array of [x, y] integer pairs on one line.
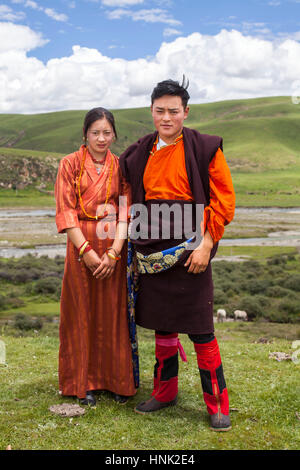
[[133, 29], [61, 54]]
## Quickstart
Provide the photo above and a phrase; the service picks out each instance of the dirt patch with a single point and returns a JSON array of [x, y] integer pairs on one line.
[[67, 410]]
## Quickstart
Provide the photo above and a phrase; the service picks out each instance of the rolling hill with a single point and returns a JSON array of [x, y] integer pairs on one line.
[[261, 142]]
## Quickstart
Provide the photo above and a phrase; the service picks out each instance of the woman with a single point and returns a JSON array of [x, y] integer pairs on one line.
[[95, 350]]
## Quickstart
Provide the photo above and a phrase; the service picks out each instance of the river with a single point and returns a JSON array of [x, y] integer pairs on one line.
[[26, 223]]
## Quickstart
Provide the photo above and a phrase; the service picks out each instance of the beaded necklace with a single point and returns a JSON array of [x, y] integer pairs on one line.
[[105, 213], [177, 140], [98, 162]]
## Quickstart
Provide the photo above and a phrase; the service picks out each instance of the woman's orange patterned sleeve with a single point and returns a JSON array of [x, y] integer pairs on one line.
[[125, 202], [66, 199], [220, 211]]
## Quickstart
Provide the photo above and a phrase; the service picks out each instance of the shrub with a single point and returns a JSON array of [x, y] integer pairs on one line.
[[289, 306], [219, 296], [47, 285], [292, 282], [257, 286], [23, 322], [14, 302], [252, 266], [278, 291], [275, 260], [6, 275], [228, 286], [2, 302], [10, 301], [280, 317], [22, 275], [275, 271]]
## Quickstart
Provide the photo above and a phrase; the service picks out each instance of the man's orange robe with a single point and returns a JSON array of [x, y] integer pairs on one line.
[[95, 351], [165, 177]]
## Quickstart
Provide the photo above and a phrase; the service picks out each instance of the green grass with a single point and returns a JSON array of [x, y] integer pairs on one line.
[[259, 253], [263, 394], [36, 309], [25, 198]]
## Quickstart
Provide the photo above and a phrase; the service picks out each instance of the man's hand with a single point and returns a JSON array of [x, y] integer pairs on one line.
[[199, 258]]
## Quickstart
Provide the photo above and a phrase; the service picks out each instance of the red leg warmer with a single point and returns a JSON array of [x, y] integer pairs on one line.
[[166, 367], [212, 378]]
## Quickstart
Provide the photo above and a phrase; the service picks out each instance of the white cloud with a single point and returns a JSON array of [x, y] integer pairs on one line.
[[54, 15], [229, 65], [48, 11], [15, 38], [171, 32], [156, 15], [31, 4], [121, 3], [294, 36], [7, 14]]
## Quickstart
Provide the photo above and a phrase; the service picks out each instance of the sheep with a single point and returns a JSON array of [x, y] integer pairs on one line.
[[240, 315], [221, 315]]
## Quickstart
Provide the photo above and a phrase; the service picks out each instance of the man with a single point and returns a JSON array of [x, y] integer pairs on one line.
[[177, 165]]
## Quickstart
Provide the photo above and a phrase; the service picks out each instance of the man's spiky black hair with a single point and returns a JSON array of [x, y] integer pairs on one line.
[[173, 88]]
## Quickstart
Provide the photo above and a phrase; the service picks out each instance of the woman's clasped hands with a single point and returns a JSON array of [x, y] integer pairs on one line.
[[102, 268]]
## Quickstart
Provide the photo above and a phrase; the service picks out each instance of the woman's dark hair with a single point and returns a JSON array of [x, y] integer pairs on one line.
[[95, 114], [170, 87]]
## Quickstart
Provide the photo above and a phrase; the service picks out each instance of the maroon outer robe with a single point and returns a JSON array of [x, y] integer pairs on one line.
[[174, 300]]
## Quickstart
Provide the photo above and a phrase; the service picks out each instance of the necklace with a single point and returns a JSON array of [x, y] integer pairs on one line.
[[153, 152], [96, 217], [99, 162]]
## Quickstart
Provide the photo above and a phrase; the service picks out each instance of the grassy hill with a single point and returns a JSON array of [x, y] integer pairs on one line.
[[261, 141]]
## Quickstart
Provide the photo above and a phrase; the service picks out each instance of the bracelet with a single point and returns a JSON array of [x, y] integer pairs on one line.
[[110, 255], [87, 249], [116, 254], [81, 245], [82, 248]]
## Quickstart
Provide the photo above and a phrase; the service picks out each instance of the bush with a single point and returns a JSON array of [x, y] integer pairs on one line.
[[289, 306], [47, 285], [10, 301], [251, 270], [219, 296], [279, 317], [275, 260], [228, 286], [6, 276], [14, 302], [30, 268], [23, 322], [257, 286], [278, 291], [2, 302], [292, 282]]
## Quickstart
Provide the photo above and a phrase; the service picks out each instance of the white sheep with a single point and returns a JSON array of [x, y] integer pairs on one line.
[[221, 315], [240, 315]]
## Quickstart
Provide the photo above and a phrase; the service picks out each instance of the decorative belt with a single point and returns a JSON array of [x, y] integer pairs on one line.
[[161, 260]]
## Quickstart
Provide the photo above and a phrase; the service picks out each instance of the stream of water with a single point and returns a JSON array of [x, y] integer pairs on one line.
[[289, 238]]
